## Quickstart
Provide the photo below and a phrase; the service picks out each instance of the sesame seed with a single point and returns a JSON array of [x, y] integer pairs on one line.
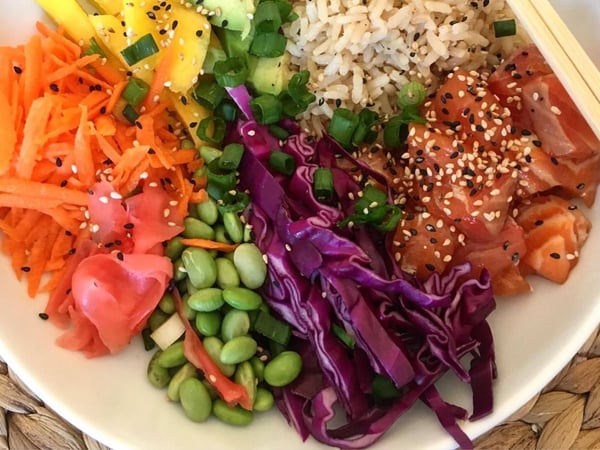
[[555, 110]]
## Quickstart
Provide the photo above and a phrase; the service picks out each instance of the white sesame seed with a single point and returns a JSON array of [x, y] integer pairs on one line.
[[103, 199]]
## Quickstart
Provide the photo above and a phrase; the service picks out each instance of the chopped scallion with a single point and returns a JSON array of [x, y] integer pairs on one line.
[[267, 16], [211, 129], [268, 44], [140, 50], [226, 110], [267, 109], [231, 73], [272, 328], [504, 28], [395, 132], [280, 133], [342, 125], [135, 91], [208, 93], [323, 184], [130, 113], [282, 162], [233, 201], [411, 94], [231, 157], [94, 48]]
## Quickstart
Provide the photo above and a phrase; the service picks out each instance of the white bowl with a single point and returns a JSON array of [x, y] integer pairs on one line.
[[109, 398]]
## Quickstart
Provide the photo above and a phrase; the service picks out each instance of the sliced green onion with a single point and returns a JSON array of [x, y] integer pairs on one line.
[[211, 129], [289, 106], [411, 94], [342, 125], [323, 184], [226, 110], [232, 72], [285, 10], [233, 201], [208, 93], [130, 113], [231, 157], [208, 153], [219, 181], [139, 50], [383, 389], [135, 91], [395, 132], [272, 328], [280, 133], [268, 45], [282, 162], [267, 109], [343, 336], [94, 49], [267, 16], [504, 28]]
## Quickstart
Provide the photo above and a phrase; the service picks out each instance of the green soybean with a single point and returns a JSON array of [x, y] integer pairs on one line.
[[221, 234], [188, 312], [179, 270], [214, 346], [157, 375], [251, 267], [172, 356], [167, 303], [195, 399], [233, 226], [283, 369], [227, 275], [208, 211], [258, 367], [208, 323], [235, 323], [263, 400], [207, 299], [200, 267], [189, 287], [197, 229], [236, 415], [238, 349], [186, 371], [242, 298], [244, 376], [157, 318], [174, 248]]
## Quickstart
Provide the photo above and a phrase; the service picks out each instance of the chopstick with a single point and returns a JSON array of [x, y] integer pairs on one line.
[[572, 65]]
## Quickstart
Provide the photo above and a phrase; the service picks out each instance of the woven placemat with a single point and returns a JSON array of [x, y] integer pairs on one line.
[[565, 415]]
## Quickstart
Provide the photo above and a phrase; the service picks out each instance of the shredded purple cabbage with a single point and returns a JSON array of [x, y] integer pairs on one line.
[[321, 275]]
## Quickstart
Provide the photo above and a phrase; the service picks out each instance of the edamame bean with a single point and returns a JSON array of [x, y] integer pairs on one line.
[[156, 319], [188, 312], [233, 226], [195, 399], [179, 270], [186, 371], [221, 234], [174, 248], [236, 415], [235, 323], [200, 267], [242, 298], [251, 267], [197, 229], [211, 390], [208, 323], [283, 369], [157, 375], [263, 400], [189, 287], [172, 356], [244, 376], [258, 367], [207, 299], [238, 349], [227, 275], [213, 346], [208, 211], [167, 304]]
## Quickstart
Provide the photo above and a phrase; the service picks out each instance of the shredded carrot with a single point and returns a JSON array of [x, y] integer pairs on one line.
[[208, 244], [61, 134]]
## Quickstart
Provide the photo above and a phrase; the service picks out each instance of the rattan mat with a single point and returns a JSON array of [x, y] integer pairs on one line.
[[565, 415]]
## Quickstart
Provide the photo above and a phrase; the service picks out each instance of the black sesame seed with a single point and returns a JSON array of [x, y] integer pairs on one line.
[[536, 143], [515, 257], [17, 70], [430, 228], [128, 226], [510, 67], [58, 162], [43, 316], [505, 245], [538, 222], [151, 151], [581, 186], [199, 33], [430, 267], [225, 23], [175, 23], [554, 255], [120, 256], [139, 124], [151, 15], [26, 268], [63, 183], [54, 87], [433, 240], [525, 132]]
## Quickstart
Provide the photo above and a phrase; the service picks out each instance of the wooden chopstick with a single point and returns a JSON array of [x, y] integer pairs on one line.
[[572, 65]]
